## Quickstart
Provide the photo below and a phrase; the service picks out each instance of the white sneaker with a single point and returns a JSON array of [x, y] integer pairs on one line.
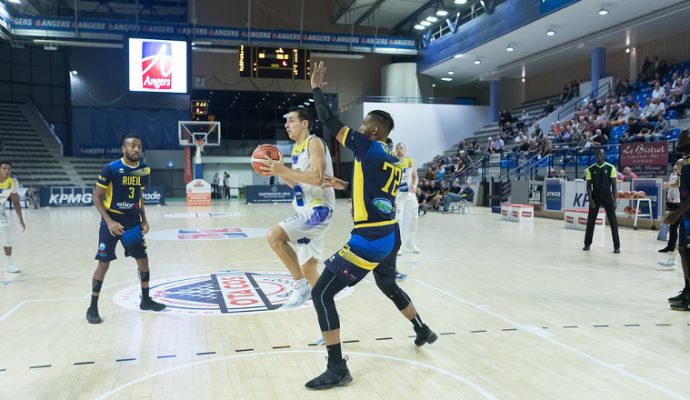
[[12, 269], [320, 341], [300, 294], [413, 248], [400, 252]]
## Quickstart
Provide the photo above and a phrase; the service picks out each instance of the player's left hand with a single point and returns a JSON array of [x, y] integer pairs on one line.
[[273, 167], [144, 228]]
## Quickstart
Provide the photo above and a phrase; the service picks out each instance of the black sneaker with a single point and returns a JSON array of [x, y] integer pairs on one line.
[[92, 316], [426, 335], [149, 304], [586, 248], [681, 295], [335, 375], [616, 251], [683, 305], [667, 249]]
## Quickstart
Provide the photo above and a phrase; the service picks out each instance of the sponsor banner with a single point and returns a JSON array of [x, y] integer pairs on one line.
[[577, 218], [203, 215], [198, 193], [34, 26], [220, 293], [268, 194], [66, 196], [517, 212], [653, 188], [645, 159], [554, 194], [95, 151], [196, 234], [576, 193], [154, 195]]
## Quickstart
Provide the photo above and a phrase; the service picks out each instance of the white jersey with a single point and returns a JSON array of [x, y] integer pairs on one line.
[[309, 196], [407, 165], [11, 185]]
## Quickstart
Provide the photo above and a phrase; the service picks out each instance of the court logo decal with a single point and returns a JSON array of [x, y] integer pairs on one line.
[[219, 293], [203, 215], [188, 234]]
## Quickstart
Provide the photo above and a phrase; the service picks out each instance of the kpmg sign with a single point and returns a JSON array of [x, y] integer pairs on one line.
[[83, 196], [268, 194]]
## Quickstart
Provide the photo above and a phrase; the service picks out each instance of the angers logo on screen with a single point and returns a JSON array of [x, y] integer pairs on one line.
[[156, 65]]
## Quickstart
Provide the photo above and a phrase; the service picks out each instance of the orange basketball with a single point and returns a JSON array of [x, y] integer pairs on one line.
[[260, 154]]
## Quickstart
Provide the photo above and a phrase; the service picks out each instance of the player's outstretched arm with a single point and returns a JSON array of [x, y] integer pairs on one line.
[[326, 116], [335, 183], [17, 207]]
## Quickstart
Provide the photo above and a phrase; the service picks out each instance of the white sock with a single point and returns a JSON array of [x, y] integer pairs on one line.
[[413, 232], [8, 260]]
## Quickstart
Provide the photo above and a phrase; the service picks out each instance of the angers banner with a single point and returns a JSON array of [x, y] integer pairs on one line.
[[645, 159]]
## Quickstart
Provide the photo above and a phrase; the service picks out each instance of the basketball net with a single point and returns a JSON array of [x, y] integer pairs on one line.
[[199, 143]]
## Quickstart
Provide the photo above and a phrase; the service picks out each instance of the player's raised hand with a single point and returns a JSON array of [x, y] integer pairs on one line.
[[317, 75]]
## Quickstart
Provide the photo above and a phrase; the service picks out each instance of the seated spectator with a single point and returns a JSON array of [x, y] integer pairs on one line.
[[453, 195], [421, 201], [627, 89], [538, 131], [490, 146], [430, 175], [633, 132], [536, 146], [660, 129], [552, 174], [628, 174], [435, 201], [656, 108], [498, 145], [599, 138], [659, 93], [522, 142], [548, 108], [563, 175], [680, 105], [505, 117], [635, 110], [523, 121]]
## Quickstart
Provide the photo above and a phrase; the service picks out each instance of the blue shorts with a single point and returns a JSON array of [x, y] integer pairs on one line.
[[369, 249], [132, 240]]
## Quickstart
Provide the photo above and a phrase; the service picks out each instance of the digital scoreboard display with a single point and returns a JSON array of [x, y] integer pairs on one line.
[[271, 62]]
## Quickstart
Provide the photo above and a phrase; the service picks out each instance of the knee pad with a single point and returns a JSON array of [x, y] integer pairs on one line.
[[397, 295], [96, 285], [144, 276]]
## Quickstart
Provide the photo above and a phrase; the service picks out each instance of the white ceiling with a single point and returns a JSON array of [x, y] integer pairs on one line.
[[387, 15], [578, 28]]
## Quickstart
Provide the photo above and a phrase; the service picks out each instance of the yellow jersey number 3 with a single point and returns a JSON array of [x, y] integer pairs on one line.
[[393, 180]]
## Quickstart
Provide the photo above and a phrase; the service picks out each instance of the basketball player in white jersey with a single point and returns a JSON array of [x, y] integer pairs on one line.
[[314, 204], [8, 190], [406, 207]]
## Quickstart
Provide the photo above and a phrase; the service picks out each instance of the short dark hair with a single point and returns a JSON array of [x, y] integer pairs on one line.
[[6, 162], [302, 114], [130, 136], [382, 119]]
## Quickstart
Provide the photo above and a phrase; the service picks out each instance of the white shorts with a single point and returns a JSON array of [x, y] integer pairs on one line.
[[306, 232], [406, 206], [5, 235]]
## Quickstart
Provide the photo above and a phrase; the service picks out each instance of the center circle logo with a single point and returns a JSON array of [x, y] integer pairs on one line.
[[207, 233], [219, 293]]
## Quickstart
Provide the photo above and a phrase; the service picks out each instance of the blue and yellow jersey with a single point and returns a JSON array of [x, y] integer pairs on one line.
[[123, 186], [375, 180]]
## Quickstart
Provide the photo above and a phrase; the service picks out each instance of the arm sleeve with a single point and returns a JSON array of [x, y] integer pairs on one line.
[[588, 176], [614, 173], [327, 117], [105, 177]]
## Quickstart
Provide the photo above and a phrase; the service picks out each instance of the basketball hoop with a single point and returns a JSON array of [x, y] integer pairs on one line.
[[199, 143]]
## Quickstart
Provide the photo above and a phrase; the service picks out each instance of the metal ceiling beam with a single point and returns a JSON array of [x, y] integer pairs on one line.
[[343, 10], [410, 19], [370, 11]]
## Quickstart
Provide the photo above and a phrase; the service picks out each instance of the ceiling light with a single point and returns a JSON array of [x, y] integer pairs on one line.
[[451, 73], [603, 11], [433, 85], [431, 18], [523, 80], [425, 23], [457, 55], [550, 32], [441, 13], [460, 1], [15, 1], [419, 27], [627, 49], [510, 48], [446, 79], [477, 61]]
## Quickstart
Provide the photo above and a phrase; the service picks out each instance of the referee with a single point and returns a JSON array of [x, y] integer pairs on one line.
[[601, 188]]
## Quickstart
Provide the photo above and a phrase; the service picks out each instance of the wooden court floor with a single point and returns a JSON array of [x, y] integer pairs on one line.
[[521, 311]]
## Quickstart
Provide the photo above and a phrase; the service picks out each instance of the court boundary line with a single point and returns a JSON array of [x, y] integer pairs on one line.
[[550, 339], [476, 387]]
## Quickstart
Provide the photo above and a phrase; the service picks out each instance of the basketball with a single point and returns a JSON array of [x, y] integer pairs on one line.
[[260, 154]]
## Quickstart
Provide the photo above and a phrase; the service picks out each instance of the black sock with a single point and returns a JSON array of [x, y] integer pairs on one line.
[[145, 293], [335, 354], [417, 323], [687, 284], [94, 301]]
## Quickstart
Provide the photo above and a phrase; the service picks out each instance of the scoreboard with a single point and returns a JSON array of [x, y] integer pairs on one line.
[[271, 62]]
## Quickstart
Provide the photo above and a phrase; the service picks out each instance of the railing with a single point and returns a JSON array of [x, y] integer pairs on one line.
[[603, 90], [45, 122], [400, 99]]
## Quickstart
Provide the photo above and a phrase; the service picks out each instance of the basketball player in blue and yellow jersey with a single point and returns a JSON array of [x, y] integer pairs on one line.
[[375, 239], [118, 198]]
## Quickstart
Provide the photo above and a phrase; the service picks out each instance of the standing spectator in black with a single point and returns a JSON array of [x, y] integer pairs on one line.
[[602, 190], [672, 203], [226, 185], [626, 89], [646, 67], [565, 92], [538, 131], [505, 117], [548, 108]]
